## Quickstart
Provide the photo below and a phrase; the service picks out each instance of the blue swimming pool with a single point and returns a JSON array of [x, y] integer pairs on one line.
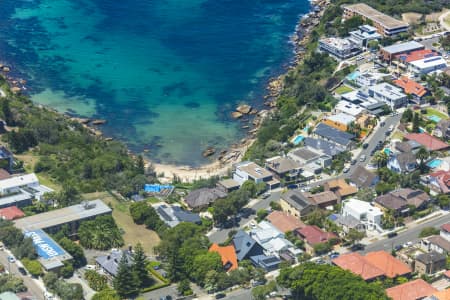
[[387, 151], [298, 139], [353, 76], [434, 118], [434, 163]]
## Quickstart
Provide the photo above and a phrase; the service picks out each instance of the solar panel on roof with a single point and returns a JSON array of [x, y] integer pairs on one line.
[[299, 200]]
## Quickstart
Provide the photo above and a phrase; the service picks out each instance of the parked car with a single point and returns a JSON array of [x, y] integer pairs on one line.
[[346, 169], [392, 234], [365, 145], [265, 195], [220, 295], [398, 247], [382, 123], [362, 158], [11, 259], [292, 186], [357, 247], [353, 162]]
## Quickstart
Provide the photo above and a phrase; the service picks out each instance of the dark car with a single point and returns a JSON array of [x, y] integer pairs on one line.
[[220, 296], [365, 145], [392, 234], [382, 124], [353, 162], [398, 247], [292, 186], [372, 153], [357, 247]]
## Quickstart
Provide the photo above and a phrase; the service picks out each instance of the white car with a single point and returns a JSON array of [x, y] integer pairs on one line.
[[346, 169]]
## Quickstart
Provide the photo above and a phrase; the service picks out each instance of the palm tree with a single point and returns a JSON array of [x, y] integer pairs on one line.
[[381, 159], [422, 155]]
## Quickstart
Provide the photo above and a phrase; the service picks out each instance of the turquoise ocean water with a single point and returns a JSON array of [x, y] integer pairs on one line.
[[165, 74]]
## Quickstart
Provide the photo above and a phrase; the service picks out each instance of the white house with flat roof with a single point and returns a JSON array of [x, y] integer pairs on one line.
[[14, 184], [364, 212], [427, 65], [349, 108], [248, 170], [340, 48], [389, 94], [364, 34]]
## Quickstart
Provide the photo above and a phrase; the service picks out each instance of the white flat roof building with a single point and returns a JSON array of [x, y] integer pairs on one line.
[[349, 108], [363, 211], [388, 93], [428, 65], [12, 184], [340, 48]]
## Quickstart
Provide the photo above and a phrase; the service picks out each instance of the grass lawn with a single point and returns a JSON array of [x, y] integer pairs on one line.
[[29, 160], [397, 135], [431, 111], [133, 233], [343, 89]]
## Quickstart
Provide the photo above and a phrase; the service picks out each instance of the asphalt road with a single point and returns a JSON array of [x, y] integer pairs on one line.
[[411, 234], [221, 235], [33, 288]]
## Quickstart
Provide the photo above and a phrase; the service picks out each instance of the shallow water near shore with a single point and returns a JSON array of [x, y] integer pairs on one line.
[[165, 74]]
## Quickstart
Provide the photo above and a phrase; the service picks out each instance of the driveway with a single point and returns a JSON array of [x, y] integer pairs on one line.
[[170, 290]]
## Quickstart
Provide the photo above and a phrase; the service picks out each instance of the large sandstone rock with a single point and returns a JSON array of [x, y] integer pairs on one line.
[[236, 114], [244, 109]]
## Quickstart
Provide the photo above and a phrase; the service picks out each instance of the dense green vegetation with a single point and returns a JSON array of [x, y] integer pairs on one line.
[[14, 239], [101, 233], [65, 290], [142, 213], [10, 283], [307, 282], [68, 152]]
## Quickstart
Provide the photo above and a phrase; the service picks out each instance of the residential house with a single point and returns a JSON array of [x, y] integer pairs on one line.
[[391, 52], [273, 241], [6, 159], [284, 222], [347, 222], [427, 65], [408, 146], [227, 254], [11, 213], [357, 264], [426, 140], [369, 78], [306, 155], [402, 163], [440, 295], [413, 290], [295, 203], [373, 265], [363, 212], [340, 187], [389, 94], [430, 263], [410, 87], [284, 168], [435, 243], [313, 235], [246, 246], [201, 198], [400, 200], [363, 178], [323, 146], [442, 129], [438, 182], [336, 136], [340, 48], [340, 121], [21, 190], [250, 171], [227, 185], [363, 35], [362, 98], [385, 25], [445, 231], [109, 264], [173, 215], [323, 199], [349, 108]]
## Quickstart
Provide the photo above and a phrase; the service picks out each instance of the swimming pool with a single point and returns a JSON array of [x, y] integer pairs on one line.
[[298, 139], [434, 163], [353, 76], [434, 118], [387, 151]]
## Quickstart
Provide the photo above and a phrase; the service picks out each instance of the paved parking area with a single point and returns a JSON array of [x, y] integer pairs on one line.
[[161, 293]]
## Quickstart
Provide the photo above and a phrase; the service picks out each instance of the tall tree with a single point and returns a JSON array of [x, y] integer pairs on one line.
[[422, 155], [416, 122], [125, 282], [139, 266]]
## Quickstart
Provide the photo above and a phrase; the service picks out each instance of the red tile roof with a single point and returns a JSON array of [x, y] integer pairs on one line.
[[11, 213], [284, 222], [228, 255], [413, 290], [443, 179], [410, 86], [429, 142], [314, 235], [357, 264], [418, 54], [446, 227], [391, 266], [442, 295]]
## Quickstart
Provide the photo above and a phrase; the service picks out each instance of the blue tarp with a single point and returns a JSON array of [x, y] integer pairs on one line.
[[156, 188], [45, 246]]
